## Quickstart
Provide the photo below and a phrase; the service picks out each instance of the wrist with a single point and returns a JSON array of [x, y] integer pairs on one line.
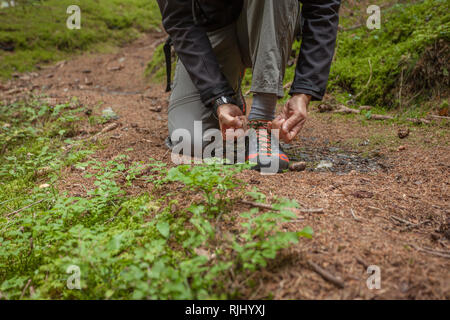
[[303, 96], [224, 100]]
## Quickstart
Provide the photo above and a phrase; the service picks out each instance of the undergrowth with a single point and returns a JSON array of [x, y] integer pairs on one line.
[[389, 57], [122, 246]]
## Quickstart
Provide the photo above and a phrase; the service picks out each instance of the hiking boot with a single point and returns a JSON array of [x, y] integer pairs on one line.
[[264, 149]]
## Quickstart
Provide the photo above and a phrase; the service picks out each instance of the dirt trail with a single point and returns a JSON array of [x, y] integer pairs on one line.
[[382, 206]]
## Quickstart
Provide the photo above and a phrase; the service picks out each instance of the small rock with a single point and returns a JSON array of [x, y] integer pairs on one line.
[[44, 186], [156, 109], [401, 148], [109, 114], [324, 108], [297, 166], [325, 164], [435, 236], [403, 133], [6, 126], [117, 68], [43, 171]]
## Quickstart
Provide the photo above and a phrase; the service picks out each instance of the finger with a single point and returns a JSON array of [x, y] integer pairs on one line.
[[277, 123], [294, 131], [244, 121], [231, 121], [291, 122]]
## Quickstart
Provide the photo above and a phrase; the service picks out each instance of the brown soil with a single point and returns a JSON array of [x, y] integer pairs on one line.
[[411, 185]]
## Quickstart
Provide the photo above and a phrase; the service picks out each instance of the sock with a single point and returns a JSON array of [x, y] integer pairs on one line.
[[263, 107]]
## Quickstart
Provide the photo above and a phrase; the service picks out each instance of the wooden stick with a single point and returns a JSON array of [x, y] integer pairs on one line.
[[354, 216], [25, 288], [362, 262], [345, 110], [270, 207], [380, 117], [438, 117], [326, 275], [418, 121], [402, 220], [433, 252], [409, 224], [24, 208]]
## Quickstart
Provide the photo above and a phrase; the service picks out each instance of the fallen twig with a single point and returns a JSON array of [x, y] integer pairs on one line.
[[418, 121], [357, 26], [25, 288], [362, 262], [432, 116], [354, 216], [24, 208], [380, 117], [441, 254], [409, 224], [402, 220], [345, 110], [270, 207], [326, 275]]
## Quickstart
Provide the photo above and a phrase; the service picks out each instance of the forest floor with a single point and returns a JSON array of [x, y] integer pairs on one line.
[[385, 199]]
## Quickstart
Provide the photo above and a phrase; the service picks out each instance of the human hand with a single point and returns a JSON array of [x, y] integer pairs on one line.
[[232, 121], [293, 117]]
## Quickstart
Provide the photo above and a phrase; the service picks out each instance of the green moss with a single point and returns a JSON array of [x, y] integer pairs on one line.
[[406, 31], [37, 31], [156, 66]]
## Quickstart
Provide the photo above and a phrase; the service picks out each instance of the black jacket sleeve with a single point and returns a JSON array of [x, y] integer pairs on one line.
[[194, 49], [320, 25]]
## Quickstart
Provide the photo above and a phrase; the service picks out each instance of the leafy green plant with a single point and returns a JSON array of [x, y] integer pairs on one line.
[[126, 247]]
